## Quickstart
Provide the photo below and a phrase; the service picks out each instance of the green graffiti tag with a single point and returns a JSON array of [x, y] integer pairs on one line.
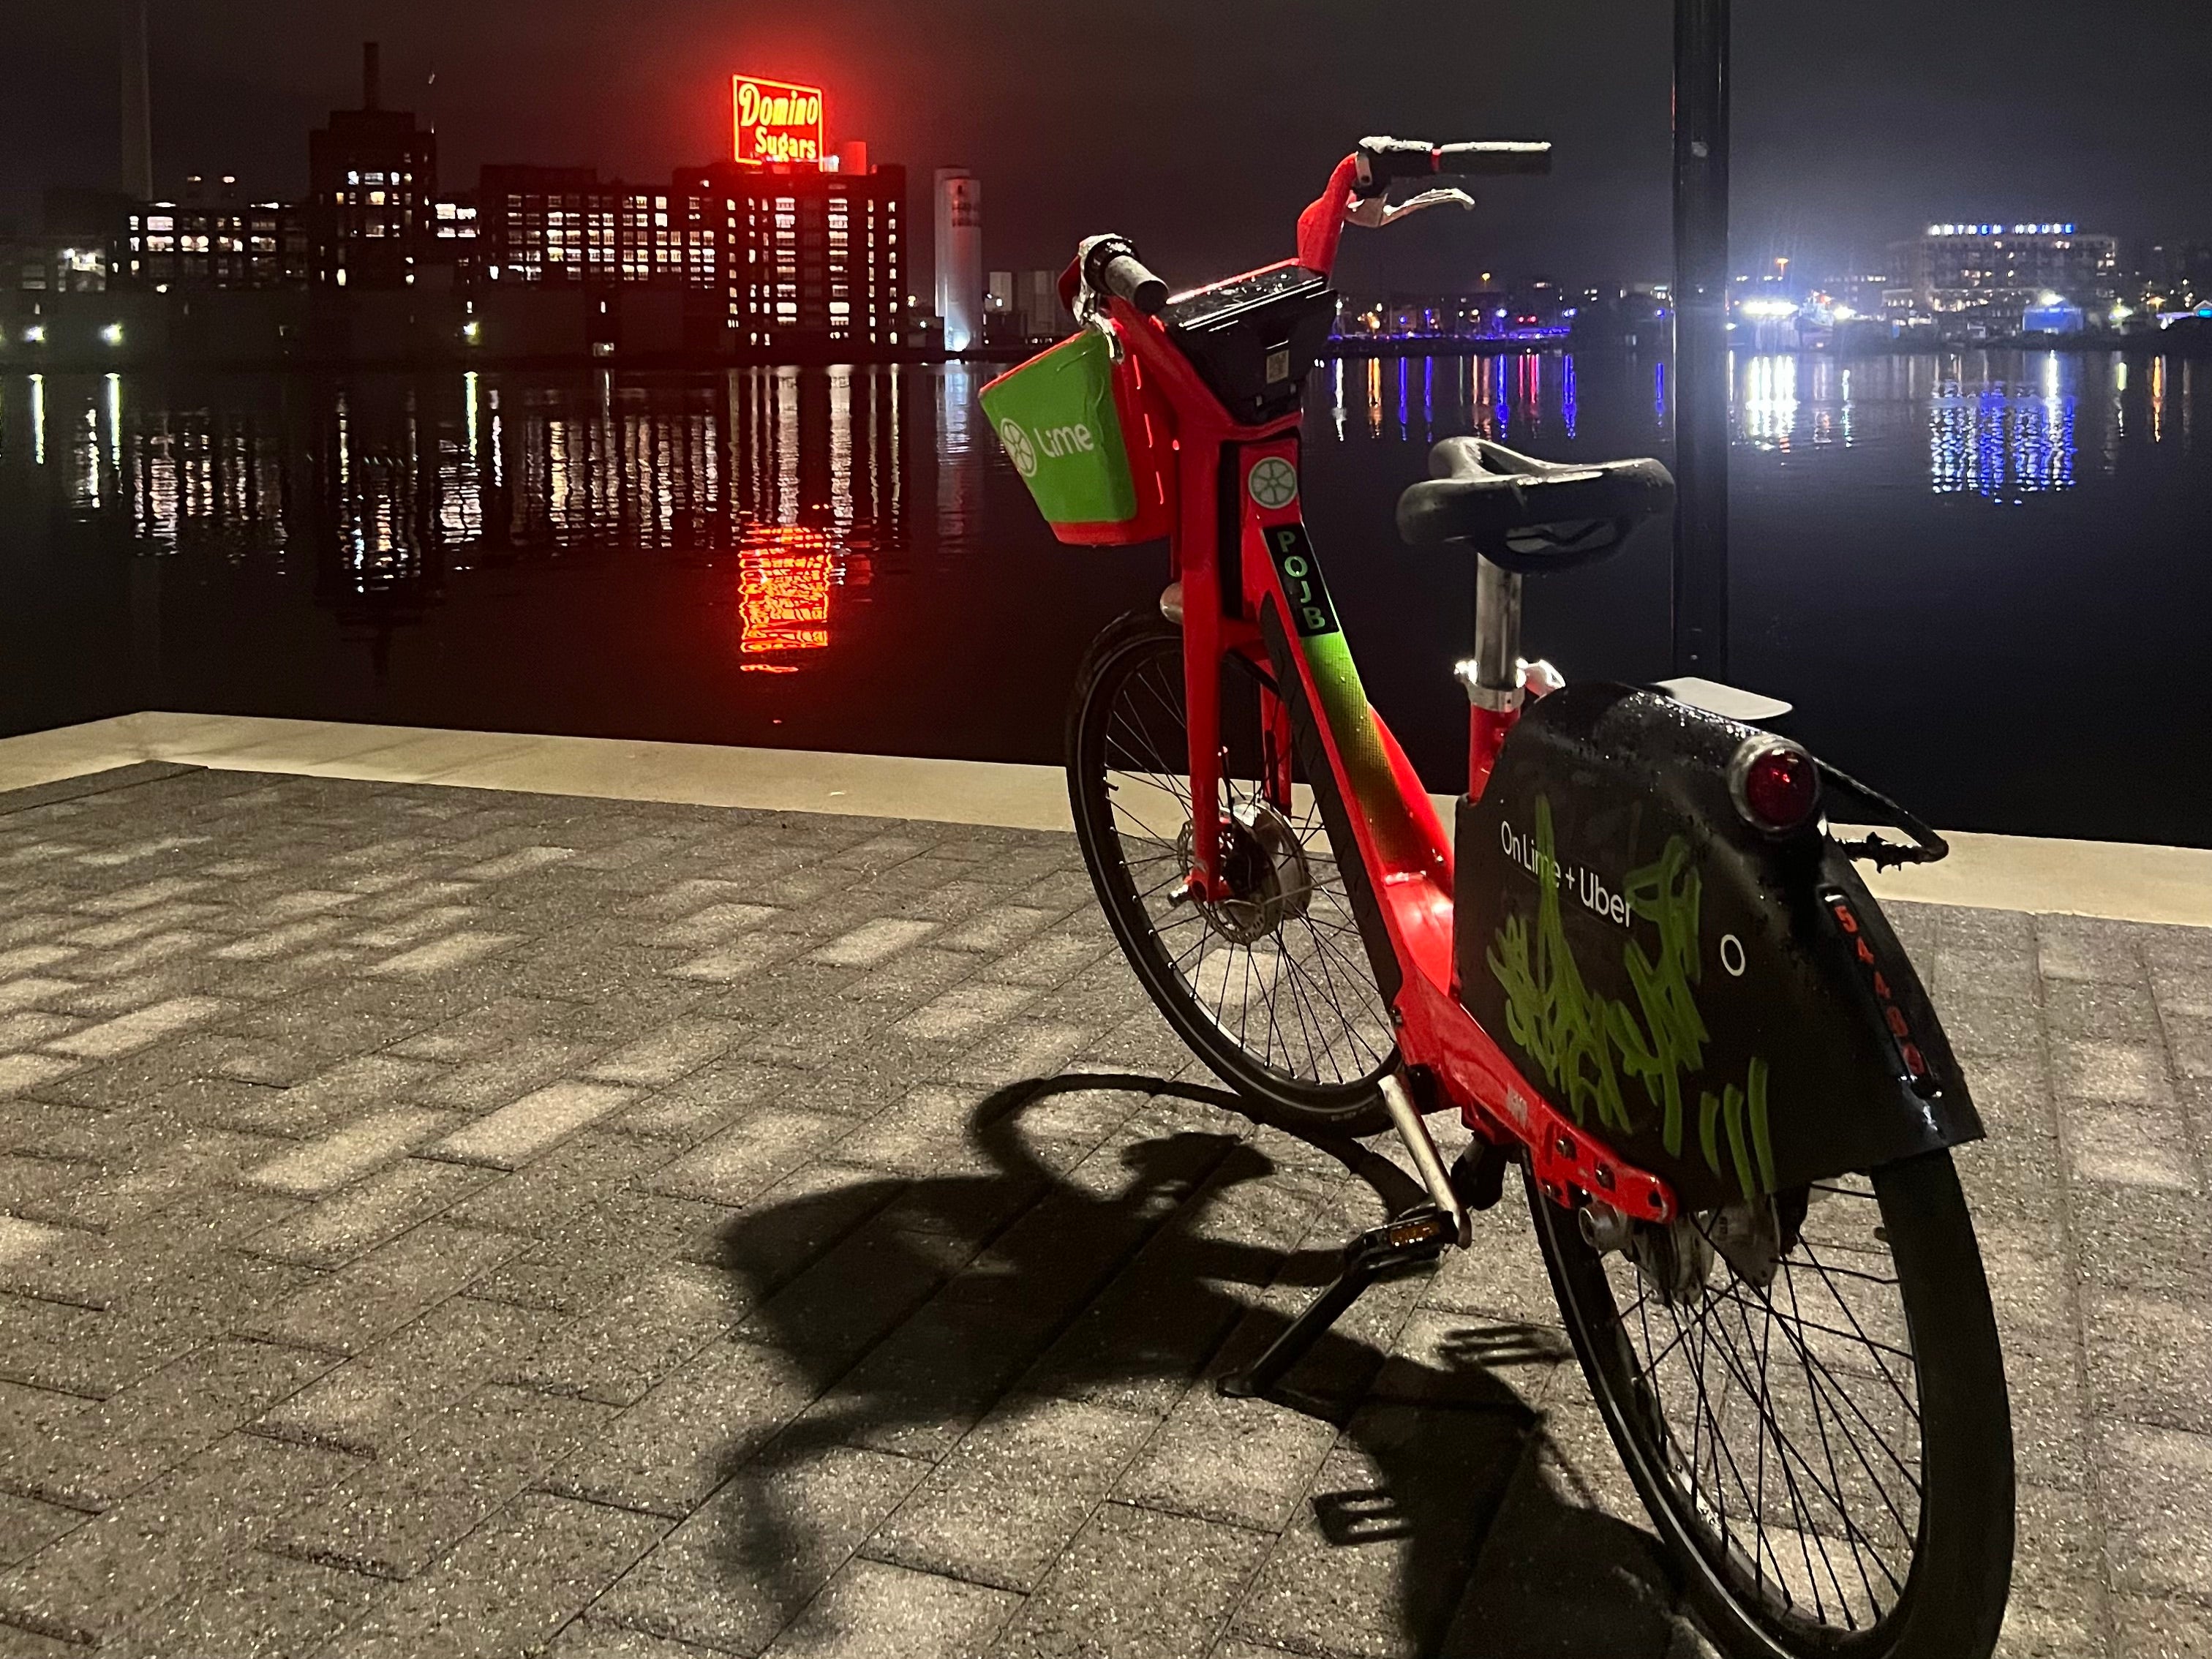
[[1586, 1043]]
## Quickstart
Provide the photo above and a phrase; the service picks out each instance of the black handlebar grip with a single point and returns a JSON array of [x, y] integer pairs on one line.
[[1126, 275], [1383, 161], [1493, 157], [1110, 265]]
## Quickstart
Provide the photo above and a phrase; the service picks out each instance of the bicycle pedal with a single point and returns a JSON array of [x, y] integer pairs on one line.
[[1417, 1235], [1478, 1174]]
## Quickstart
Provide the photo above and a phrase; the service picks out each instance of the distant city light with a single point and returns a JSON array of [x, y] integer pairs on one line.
[[1768, 308], [35, 335], [113, 334], [2048, 298], [472, 330], [2120, 313]]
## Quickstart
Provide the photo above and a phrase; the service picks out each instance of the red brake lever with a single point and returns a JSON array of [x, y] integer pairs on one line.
[[1320, 227]]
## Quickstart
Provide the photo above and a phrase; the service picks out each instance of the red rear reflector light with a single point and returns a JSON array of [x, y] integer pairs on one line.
[[1775, 783]]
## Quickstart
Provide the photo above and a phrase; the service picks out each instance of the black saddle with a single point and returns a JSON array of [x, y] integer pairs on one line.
[[1528, 515]]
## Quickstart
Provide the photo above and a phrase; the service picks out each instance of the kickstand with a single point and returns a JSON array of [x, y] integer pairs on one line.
[[1419, 1235]]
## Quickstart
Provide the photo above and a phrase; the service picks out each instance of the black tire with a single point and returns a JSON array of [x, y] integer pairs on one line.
[[1316, 1056], [1945, 1585]]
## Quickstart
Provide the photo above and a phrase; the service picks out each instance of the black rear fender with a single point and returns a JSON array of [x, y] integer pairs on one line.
[[1728, 1010]]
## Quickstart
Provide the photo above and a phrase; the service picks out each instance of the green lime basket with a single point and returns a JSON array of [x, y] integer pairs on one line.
[[1089, 440]]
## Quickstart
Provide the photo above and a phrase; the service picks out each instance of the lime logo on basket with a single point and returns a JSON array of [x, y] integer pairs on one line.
[[1019, 450], [1274, 482]]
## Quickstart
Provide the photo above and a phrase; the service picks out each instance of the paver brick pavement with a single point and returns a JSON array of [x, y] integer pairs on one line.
[[446, 1222]]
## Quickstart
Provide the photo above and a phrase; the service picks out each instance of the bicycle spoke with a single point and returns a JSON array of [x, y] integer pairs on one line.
[[1278, 968], [1804, 1474]]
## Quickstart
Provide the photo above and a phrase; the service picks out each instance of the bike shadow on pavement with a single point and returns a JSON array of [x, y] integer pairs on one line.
[[1029, 1270]]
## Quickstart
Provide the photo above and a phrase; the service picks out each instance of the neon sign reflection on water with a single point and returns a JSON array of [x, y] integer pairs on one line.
[[390, 485]]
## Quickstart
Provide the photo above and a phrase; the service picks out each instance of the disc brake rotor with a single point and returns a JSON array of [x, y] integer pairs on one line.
[[1269, 880]]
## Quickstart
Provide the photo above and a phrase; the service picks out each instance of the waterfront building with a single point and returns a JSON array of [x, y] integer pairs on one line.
[[372, 185], [1022, 307], [230, 245], [74, 249], [959, 198], [795, 257], [2175, 275], [792, 247], [1987, 275], [566, 225], [211, 239]]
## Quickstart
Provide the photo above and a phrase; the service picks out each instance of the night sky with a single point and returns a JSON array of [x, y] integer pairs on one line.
[[1201, 127]]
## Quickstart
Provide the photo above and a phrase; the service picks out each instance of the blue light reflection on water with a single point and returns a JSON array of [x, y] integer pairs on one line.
[[2000, 426], [2007, 440]]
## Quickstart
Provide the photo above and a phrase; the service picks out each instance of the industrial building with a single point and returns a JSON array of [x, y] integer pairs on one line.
[[211, 240], [959, 289], [1022, 307], [791, 248], [769, 258], [799, 257], [372, 182]]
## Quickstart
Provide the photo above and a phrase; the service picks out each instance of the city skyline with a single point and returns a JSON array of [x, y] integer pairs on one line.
[[1846, 138]]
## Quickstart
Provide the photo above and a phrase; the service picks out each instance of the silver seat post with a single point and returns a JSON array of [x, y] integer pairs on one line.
[[1495, 683]]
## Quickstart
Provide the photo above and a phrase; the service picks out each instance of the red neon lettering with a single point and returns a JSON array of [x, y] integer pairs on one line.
[[776, 121]]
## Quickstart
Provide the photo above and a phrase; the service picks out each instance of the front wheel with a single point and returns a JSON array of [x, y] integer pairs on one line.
[[1811, 1401], [1270, 985]]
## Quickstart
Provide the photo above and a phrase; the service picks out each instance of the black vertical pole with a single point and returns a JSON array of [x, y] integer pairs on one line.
[[1701, 346]]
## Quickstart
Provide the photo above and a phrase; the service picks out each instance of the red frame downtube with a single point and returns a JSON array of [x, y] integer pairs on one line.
[[1401, 845]]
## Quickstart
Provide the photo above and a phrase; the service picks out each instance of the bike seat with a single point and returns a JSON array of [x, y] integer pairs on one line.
[[1528, 515]]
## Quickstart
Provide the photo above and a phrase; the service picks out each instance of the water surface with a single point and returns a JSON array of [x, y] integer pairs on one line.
[[1983, 577]]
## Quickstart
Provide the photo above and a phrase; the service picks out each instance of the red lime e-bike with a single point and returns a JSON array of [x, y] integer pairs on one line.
[[1642, 967]]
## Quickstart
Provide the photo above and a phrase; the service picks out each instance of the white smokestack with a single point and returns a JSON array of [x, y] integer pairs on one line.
[[137, 105]]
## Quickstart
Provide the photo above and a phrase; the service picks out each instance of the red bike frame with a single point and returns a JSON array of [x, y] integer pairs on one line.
[[1228, 576]]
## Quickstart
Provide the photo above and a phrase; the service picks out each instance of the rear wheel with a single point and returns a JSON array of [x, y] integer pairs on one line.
[[1810, 1398], [1271, 986]]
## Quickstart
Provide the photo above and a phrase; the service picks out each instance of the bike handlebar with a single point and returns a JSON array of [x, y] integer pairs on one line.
[[1382, 162], [1110, 265]]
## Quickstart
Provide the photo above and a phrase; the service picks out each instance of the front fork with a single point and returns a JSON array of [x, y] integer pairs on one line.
[[1206, 641], [1202, 696], [1208, 636]]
